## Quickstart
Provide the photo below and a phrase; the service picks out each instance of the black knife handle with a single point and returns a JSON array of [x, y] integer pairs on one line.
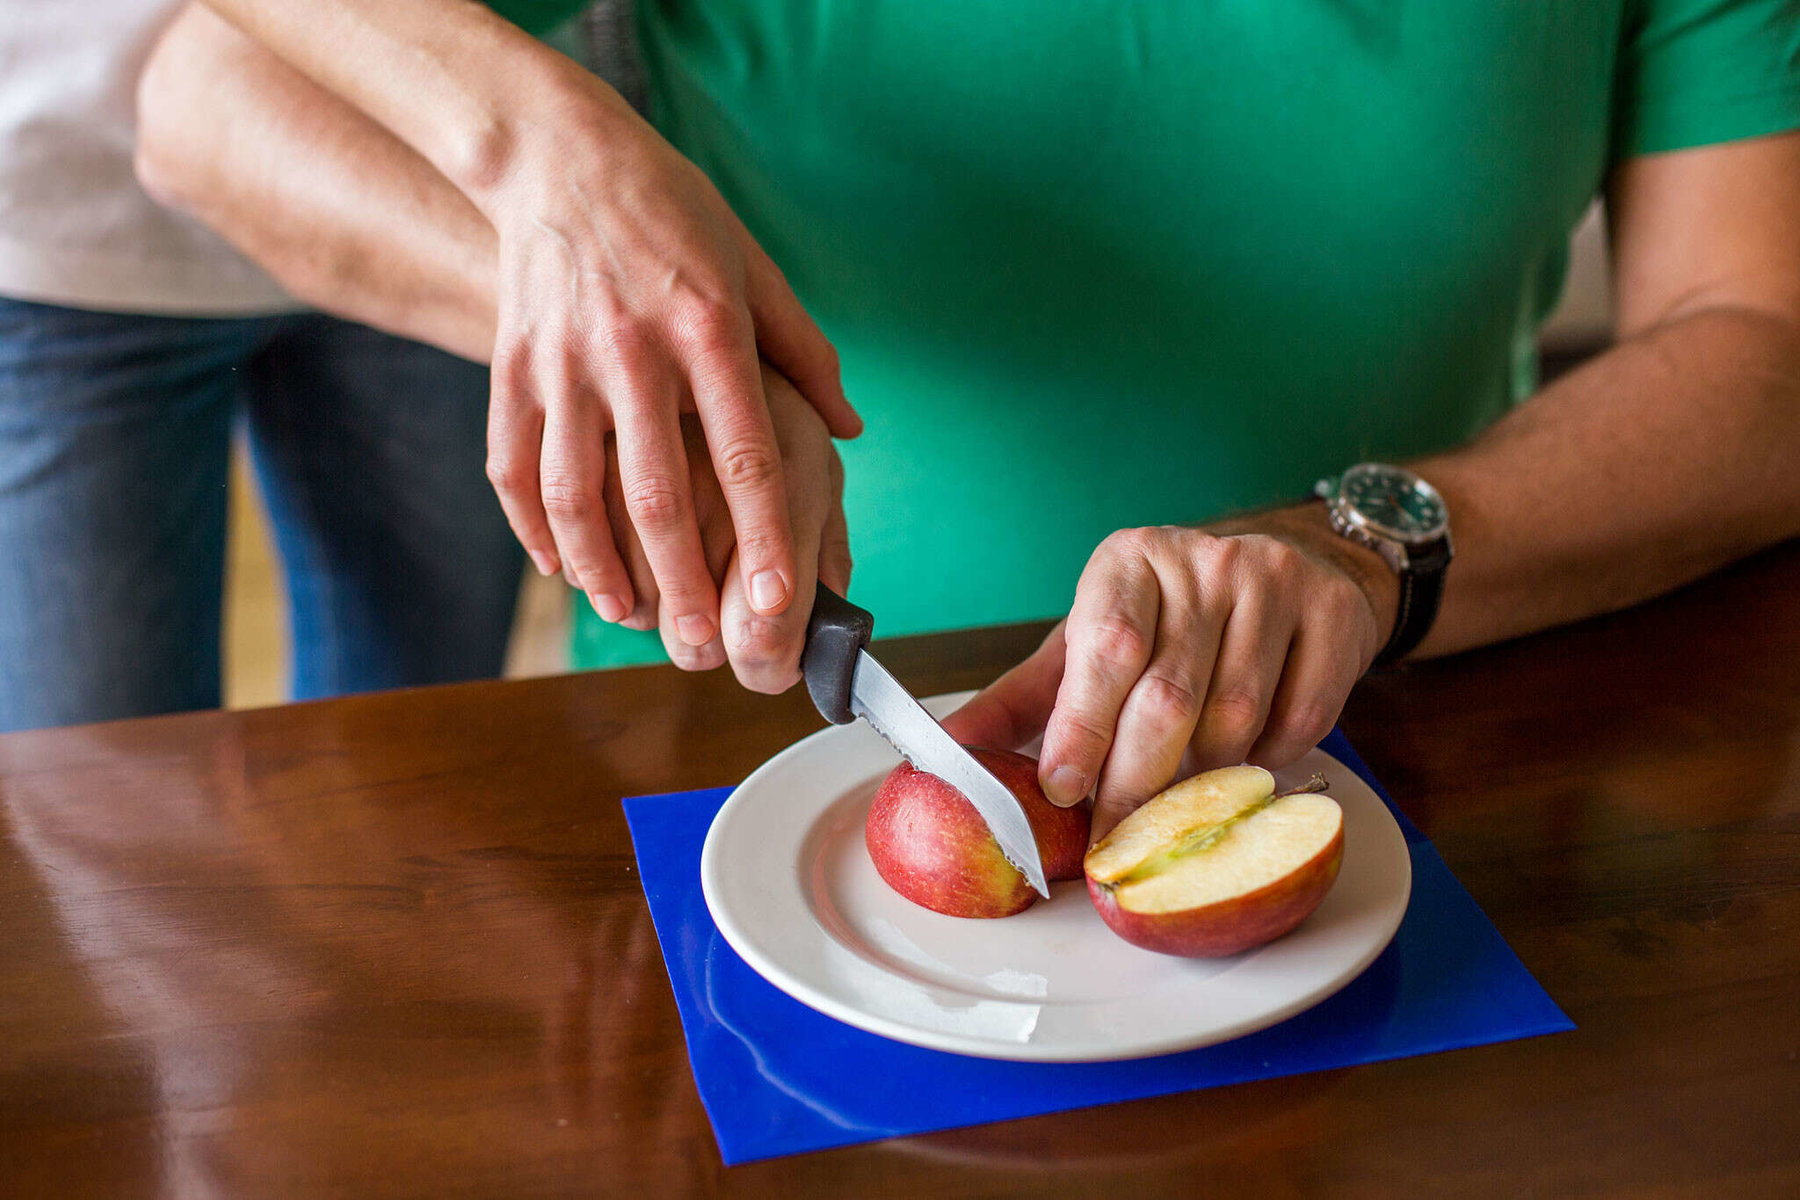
[[836, 630]]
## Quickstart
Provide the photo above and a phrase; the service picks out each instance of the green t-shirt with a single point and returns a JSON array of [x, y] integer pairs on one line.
[[1107, 263]]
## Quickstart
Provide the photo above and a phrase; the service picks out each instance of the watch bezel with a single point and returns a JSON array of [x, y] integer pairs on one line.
[[1356, 518]]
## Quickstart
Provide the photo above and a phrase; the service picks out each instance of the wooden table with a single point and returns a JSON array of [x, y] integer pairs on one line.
[[396, 945]]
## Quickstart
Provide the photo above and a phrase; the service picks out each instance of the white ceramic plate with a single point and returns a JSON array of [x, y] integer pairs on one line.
[[790, 885]]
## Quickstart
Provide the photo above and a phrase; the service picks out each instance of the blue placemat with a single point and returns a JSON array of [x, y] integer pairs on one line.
[[778, 1078]]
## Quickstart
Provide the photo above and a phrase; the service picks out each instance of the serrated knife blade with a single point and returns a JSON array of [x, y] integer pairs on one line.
[[878, 698]]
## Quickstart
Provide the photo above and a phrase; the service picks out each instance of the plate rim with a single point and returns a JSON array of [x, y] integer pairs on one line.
[[776, 975]]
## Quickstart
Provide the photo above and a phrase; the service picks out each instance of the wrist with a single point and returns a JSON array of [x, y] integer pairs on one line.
[[553, 110], [496, 107]]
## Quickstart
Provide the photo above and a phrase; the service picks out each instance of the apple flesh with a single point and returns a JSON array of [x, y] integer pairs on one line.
[[931, 846], [1217, 864]]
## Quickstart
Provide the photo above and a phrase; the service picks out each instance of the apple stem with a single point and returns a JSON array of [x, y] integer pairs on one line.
[[1315, 784]]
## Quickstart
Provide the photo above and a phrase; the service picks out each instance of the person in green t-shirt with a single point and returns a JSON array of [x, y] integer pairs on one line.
[[1111, 283]]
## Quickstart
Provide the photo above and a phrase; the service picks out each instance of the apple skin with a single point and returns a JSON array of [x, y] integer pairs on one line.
[[930, 845], [1230, 926]]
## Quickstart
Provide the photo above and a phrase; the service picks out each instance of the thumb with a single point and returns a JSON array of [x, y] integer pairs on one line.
[[1013, 709]]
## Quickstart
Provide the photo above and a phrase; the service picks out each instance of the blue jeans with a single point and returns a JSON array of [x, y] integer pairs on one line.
[[115, 434]]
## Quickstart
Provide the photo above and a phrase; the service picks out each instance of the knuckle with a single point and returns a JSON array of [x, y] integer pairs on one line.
[[510, 369], [706, 323], [508, 475], [570, 500], [1218, 555], [1125, 543], [1257, 543], [757, 546], [685, 594], [748, 464], [1084, 736], [1166, 700], [1343, 601], [600, 562], [1115, 642], [655, 503], [762, 657], [1234, 716], [1306, 722], [628, 343], [1282, 562], [757, 639]]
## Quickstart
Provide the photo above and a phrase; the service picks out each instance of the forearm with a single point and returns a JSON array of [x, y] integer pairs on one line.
[[1663, 459], [464, 88], [335, 207]]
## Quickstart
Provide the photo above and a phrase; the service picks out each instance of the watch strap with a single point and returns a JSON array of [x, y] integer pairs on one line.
[[1420, 593]]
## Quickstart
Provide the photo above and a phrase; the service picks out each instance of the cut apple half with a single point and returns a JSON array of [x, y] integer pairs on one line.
[[1217, 864]]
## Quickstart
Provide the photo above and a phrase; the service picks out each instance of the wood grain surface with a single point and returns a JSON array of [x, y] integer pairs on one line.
[[395, 945]]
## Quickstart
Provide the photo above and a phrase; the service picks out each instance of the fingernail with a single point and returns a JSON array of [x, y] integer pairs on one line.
[[1066, 787], [695, 630], [768, 591], [545, 565], [611, 608]]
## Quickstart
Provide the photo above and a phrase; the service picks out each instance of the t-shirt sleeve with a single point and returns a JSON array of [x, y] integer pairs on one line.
[[1696, 72]]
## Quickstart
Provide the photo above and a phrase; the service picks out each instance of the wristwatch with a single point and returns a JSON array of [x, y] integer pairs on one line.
[[1402, 518]]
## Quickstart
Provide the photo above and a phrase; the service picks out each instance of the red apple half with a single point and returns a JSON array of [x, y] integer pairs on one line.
[[1217, 864], [932, 847]]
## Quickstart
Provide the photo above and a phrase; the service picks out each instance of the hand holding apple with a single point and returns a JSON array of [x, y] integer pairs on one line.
[[1188, 649]]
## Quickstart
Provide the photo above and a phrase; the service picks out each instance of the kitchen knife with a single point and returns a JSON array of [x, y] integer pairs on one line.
[[847, 682]]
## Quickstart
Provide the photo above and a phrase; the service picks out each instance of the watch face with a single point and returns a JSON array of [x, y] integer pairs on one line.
[[1394, 501]]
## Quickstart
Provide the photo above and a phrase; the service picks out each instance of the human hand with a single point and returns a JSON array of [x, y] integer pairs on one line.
[[1188, 649], [764, 651], [628, 293]]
